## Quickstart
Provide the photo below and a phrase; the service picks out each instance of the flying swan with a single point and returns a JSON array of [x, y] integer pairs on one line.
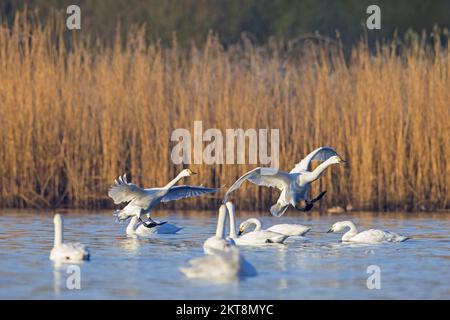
[[142, 201], [368, 236], [256, 237], [69, 252], [295, 185]]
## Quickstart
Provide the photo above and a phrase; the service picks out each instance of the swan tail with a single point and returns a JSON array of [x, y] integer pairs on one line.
[[278, 209]]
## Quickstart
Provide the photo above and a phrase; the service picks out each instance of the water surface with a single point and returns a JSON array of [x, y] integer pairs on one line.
[[317, 268]]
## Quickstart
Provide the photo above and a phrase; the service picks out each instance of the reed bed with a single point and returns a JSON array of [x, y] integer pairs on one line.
[[73, 116]]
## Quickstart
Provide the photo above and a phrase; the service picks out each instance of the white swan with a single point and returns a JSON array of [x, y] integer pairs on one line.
[[218, 241], [69, 252], [295, 185], [368, 236], [142, 201], [137, 228], [257, 237], [223, 261], [220, 266]]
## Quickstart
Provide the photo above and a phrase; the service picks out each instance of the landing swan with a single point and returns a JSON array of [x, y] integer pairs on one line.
[[143, 201], [137, 228], [258, 237], [295, 185], [368, 236], [218, 241], [69, 252]]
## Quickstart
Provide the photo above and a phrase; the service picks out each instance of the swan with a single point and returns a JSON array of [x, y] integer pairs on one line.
[[223, 262], [368, 236], [137, 228], [295, 185], [218, 241], [220, 266], [256, 237], [143, 201], [69, 252]]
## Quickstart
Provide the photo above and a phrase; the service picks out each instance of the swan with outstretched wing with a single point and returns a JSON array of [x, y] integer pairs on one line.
[[142, 201], [295, 185]]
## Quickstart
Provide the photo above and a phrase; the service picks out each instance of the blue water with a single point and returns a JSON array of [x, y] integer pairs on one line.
[[317, 268]]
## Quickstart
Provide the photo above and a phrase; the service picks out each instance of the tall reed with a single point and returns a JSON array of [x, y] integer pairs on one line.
[[74, 116]]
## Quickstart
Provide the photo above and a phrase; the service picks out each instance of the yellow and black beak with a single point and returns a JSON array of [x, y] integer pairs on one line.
[[341, 160], [241, 231], [192, 172], [330, 231]]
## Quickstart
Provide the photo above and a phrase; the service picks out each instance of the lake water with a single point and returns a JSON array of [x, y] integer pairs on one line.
[[317, 268]]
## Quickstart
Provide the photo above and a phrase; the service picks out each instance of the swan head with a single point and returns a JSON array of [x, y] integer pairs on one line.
[[244, 226], [187, 173], [57, 219], [339, 226], [336, 160]]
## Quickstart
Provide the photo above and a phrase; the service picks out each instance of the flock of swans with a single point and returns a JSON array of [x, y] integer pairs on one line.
[[223, 260]]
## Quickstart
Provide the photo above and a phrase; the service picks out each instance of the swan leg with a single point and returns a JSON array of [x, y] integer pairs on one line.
[[310, 203]]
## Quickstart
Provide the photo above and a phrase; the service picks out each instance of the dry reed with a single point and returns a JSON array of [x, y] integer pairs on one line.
[[73, 119]]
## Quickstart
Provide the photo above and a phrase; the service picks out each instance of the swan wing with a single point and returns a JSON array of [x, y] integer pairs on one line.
[[123, 191], [182, 192], [320, 154], [266, 177]]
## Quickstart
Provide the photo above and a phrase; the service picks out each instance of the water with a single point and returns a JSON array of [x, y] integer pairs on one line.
[[318, 268]]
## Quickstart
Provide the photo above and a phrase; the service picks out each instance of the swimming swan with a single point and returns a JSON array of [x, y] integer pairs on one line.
[[220, 266], [290, 230], [258, 237], [143, 201], [223, 261], [218, 241], [137, 228], [368, 236], [69, 252], [295, 185]]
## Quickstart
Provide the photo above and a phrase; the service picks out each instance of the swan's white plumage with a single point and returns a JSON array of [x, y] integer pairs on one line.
[[218, 241], [142, 201], [66, 252], [223, 261], [290, 230], [256, 237], [368, 236], [136, 228], [295, 185]]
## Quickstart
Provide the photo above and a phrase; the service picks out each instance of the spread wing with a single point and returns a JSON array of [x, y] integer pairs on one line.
[[182, 192], [123, 191], [267, 177], [320, 154]]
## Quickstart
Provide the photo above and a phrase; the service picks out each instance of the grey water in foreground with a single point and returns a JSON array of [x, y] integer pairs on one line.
[[319, 267]]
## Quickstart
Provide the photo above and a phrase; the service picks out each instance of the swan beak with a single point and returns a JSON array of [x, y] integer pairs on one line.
[[330, 231], [193, 173], [342, 160], [240, 232]]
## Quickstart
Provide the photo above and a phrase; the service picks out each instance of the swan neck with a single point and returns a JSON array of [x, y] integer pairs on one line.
[[350, 233], [233, 234], [173, 182], [317, 172], [256, 222], [58, 232], [220, 230]]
